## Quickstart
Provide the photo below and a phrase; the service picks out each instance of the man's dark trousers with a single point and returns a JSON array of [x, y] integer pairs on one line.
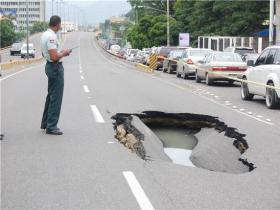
[[55, 74]]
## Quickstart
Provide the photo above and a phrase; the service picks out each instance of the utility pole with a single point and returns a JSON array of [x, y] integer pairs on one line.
[[27, 28], [52, 7], [57, 7], [168, 25], [271, 14]]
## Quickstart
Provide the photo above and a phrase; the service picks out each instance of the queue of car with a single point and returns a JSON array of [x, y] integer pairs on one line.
[[257, 72], [20, 49]]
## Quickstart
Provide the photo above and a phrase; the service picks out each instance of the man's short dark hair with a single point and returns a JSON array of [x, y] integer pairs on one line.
[[54, 20]]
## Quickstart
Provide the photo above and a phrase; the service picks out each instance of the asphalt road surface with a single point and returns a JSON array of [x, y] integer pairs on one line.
[[87, 168]]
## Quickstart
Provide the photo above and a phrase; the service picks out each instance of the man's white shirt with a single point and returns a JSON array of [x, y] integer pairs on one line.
[[49, 41]]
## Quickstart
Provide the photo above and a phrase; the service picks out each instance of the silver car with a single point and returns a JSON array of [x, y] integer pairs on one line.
[[220, 66], [15, 49], [186, 64]]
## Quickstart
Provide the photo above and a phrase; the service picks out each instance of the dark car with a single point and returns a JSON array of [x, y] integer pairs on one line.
[[170, 63], [162, 53]]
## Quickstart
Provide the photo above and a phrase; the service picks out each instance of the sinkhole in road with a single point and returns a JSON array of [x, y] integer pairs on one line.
[[205, 141]]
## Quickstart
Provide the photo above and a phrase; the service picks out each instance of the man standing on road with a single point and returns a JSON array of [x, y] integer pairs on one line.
[[55, 72]]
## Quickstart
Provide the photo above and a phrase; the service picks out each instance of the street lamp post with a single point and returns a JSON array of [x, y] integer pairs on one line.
[[52, 7], [27, 28], [271, 13], [168, 24]]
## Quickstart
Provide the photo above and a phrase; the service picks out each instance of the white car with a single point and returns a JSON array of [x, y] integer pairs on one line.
[[265, 71], [131, 54], [186, 63], [115, 48], [31, 51]]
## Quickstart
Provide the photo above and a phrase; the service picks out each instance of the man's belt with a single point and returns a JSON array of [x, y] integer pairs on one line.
[[56, 62]]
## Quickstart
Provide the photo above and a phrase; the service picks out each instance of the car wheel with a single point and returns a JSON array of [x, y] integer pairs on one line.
[[209, 81], [177, 74], [197, 78], [271, 98], [186, 76], [231, 82], [169, 69], [245, 94]]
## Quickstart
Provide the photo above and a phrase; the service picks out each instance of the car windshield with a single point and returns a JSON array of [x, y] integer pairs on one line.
[[176, 53], [25, 47], [164, 51], [242, 51], [227, 57], [134, 52], [16, 45], [199, 53]]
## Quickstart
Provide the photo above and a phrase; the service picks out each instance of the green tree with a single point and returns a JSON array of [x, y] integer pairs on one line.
[[226, 18], [38, 27], [7, 33]]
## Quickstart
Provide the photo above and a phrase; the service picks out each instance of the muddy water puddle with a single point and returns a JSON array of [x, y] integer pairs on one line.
[[178, 144]]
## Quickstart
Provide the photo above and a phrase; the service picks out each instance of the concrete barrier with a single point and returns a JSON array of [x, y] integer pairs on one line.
[[9, 65]]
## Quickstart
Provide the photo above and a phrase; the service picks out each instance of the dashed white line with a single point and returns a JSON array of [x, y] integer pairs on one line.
[[250, 113], [269, 120], [86, 89], [221, 104], [259, 116], [81, 71], [241, 110], [82, 78], [137, 191], [96, 114]]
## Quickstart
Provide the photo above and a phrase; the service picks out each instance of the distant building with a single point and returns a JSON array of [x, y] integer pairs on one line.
[[17, 10]]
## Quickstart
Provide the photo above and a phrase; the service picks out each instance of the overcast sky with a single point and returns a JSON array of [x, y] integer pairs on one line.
[[91, 11]]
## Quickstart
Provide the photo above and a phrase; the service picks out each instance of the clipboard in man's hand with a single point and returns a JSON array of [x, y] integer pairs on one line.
[[73, 48]]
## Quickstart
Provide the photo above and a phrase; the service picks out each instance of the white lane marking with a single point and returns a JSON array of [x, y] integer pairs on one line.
[[241, 110], [250, 113], [234, 107], [137, 191], [81, 71], [111, 142], [215, 102], [96, 114], [86, 89], [259, 116], [82, 78], [20, 71], [269, 120]]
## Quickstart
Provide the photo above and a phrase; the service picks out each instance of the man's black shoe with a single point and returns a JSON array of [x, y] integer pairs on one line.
[[54, 132]]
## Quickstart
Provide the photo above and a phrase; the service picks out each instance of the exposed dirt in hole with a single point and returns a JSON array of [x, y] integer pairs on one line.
[[132, 138]]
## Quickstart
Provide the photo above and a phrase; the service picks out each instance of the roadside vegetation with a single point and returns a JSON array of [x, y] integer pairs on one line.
[[225, 18]]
